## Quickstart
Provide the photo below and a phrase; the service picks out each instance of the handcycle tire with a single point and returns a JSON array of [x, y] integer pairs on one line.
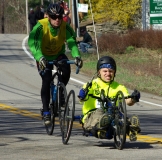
[[67, 122], [120, 121]]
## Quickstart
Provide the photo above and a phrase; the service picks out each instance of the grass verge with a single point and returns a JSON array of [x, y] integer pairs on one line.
[[139, 68]]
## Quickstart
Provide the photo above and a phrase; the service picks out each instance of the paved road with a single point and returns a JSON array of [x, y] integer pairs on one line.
[[23, 136]]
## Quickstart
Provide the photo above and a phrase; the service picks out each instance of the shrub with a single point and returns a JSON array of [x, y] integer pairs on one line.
[[112, 43], [115, 43]]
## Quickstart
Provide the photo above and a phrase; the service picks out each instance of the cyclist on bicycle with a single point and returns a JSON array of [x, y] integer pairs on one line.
[[94, 116], [47, 42]]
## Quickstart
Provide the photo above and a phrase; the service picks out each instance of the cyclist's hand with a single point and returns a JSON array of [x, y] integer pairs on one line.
[[79, 62], [42, 63], [136, 95], [82, 94]]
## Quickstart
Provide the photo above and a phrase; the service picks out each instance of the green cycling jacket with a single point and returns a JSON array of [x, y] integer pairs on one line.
[[44, 40]]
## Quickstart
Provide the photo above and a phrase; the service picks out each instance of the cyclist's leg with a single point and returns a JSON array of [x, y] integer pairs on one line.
[[66, 71], [45, 92]]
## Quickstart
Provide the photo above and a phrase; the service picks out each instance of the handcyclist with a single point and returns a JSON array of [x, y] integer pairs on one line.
[[94, 116], [47, 42]]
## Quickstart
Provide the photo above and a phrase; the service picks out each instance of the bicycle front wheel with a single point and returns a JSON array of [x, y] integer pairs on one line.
[[120, 121], [67, 123]]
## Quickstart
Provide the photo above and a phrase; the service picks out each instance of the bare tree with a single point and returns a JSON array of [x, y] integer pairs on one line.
[[14, 16]]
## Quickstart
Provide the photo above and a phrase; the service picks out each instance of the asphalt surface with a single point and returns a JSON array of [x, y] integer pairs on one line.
[[23, 136]]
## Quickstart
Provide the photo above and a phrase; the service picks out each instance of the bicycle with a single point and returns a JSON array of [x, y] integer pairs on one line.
[[57, 89], [116, 109]]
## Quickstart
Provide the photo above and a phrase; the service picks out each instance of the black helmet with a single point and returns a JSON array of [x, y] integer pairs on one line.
[[106, 60], [54, 9]]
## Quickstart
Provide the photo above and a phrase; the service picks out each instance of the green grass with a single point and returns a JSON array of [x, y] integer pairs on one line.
[[138, 69]]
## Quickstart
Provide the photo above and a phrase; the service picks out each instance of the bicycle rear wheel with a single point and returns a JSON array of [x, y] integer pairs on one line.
[[120, 121], [50, 127], [67, 122], [61, 99], [53, 106]]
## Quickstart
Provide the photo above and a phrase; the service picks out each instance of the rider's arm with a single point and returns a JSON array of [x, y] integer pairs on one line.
[[71, 41], [85, 90], [128, 101], [83, 93], [135, 96], [35, 40]]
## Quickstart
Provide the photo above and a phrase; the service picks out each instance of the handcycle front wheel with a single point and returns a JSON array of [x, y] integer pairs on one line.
[[120, 121], [67, 121]]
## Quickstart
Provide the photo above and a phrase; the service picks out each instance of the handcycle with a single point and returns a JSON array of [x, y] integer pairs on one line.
[[116, 109], [57, 89]]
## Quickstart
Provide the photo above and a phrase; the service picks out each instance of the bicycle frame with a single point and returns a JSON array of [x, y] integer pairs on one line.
[[57, 88], [57, 64]]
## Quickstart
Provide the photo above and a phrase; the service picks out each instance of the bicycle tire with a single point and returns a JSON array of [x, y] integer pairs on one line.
[[67, 122], [61, 91], [52, 109], [50, 127], [120, 121]]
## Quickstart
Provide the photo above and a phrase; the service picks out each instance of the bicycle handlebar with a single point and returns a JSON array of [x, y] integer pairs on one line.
[[63, 61]]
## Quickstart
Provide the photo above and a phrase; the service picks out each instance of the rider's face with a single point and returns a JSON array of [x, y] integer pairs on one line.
[[106, 74], [55, 20]]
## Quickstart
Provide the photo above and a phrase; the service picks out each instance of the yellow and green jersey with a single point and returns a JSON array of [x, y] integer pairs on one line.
[[44, 40], [110, 89]]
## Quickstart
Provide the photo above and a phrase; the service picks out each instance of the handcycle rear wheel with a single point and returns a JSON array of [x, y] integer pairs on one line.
[[120, 121], [67, 122]]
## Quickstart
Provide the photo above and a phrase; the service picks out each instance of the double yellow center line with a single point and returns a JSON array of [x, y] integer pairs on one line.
[[20, 111], [141, 138]]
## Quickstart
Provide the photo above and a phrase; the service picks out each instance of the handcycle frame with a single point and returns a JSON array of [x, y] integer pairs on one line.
[[55, 108], [116, 109]]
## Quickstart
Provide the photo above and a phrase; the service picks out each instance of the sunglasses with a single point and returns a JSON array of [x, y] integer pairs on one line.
[[54, 17]]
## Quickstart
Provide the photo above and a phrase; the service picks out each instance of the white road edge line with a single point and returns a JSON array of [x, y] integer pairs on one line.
[[24, 48], [28, 53]]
